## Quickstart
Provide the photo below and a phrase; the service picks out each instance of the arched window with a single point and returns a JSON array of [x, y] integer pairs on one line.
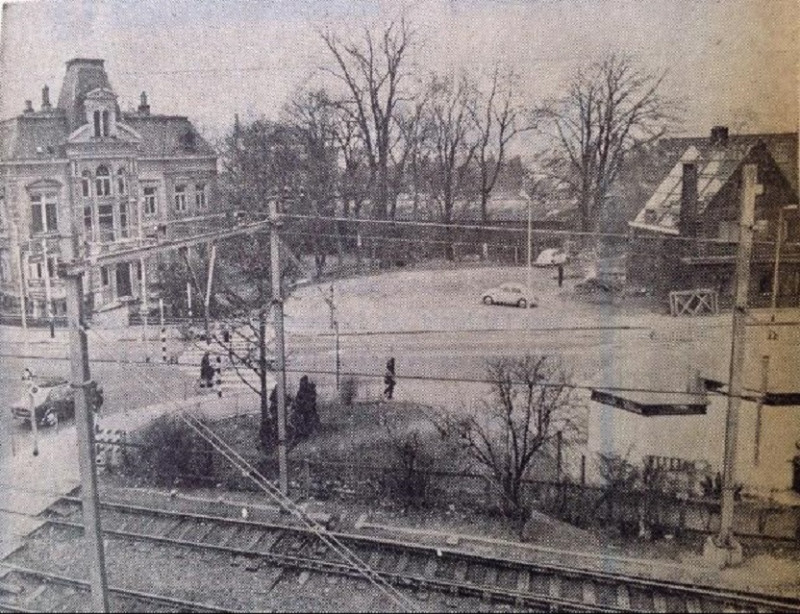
[[102, 181], [121, 183], [105, 123], [97, 132], [86, 184]]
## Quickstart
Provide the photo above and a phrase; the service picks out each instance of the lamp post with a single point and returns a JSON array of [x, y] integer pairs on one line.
[[776, 269]]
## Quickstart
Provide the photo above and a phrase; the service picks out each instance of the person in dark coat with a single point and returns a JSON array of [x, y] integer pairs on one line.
[[206, 372], [560, 275], [389, 379]]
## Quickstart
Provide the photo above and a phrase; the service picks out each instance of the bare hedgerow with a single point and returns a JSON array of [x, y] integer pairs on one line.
[[168, 451], [531, 402]]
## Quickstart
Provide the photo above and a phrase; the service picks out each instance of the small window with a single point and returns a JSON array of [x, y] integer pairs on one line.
[[86, 184], [150, 200], [52, 267], [97, 129], [104, 275], [121, 182], [200, 195], [105, 123], [139, 270], [180, 197], [87, 222], [123, 219], [44, 212], [105, 221], [103, 181], [35, 270]]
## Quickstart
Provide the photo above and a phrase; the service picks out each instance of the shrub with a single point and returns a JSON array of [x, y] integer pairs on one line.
[[168, 450], [348, 390]]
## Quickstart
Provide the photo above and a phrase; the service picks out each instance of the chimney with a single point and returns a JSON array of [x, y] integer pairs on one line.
[[719, 135], [144, 108], [46, 106], [688, 222], [28, 107]]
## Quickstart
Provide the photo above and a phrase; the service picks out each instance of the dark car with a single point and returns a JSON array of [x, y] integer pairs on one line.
[[53, 401]]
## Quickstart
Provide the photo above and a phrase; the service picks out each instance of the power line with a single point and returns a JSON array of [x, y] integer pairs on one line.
[[473, 380], [535, 231]]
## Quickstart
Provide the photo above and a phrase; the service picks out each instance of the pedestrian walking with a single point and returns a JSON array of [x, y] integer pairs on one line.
[[560, 275], [389, 379], [206, 372]]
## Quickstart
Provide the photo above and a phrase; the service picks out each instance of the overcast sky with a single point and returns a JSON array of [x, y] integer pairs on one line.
[[732, 62]]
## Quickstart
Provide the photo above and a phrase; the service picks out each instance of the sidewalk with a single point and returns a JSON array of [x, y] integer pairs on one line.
[[30, 484]]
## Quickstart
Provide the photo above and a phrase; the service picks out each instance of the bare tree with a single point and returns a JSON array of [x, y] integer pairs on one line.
[[610, 108], [453, 145], [498, 119], [314, 117], [372, 71], [531, 402]]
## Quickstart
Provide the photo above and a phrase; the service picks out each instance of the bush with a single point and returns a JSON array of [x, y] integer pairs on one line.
[[348, 390], [168, 451]]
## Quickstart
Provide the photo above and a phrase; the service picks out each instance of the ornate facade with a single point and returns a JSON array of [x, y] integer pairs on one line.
[[85, 169]]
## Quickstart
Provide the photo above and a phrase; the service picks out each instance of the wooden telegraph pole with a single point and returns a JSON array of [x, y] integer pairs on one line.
[[277, 313], [724, 549]]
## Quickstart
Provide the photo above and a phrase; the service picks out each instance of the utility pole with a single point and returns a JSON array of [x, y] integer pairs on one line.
[[530, 247], [84, 426], [723, 549], [277, 312], [145, 309]]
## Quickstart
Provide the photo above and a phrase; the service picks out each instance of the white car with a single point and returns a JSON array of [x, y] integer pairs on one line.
[[509, 294], [551, 257]]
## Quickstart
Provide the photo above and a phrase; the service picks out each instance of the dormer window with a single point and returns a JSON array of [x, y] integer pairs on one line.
[[100, 105], [102, 182]]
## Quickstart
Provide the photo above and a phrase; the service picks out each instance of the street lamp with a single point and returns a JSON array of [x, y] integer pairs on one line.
[[778, 240]]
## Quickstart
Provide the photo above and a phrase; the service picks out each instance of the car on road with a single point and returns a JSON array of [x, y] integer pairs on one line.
[[551, 257], [53, 400], [509, 294]]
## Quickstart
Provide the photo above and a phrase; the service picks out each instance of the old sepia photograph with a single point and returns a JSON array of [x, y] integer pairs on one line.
[[400, 306]]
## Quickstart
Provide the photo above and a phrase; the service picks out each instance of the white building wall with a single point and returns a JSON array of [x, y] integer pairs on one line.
[[701, 439]]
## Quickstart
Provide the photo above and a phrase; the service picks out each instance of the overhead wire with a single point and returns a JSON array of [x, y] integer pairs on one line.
[[247, 469]]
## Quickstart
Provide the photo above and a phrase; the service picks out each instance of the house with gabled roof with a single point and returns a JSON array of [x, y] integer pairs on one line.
[[84, 167], [685, 234]]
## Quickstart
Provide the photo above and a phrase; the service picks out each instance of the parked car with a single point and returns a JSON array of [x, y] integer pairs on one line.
[[551, 257], [509, 294], [53, 401]]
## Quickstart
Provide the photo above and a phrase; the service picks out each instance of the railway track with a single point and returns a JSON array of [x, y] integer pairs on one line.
[[30, 590], [417, 567]]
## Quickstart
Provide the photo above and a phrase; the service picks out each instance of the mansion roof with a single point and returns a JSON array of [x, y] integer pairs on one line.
[[45, 134]]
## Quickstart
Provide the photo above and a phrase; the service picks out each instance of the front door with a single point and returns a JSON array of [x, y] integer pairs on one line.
[[123, 280]]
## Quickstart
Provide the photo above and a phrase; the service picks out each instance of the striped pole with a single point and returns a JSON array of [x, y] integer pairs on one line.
[[218, 376], [163, 330]]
